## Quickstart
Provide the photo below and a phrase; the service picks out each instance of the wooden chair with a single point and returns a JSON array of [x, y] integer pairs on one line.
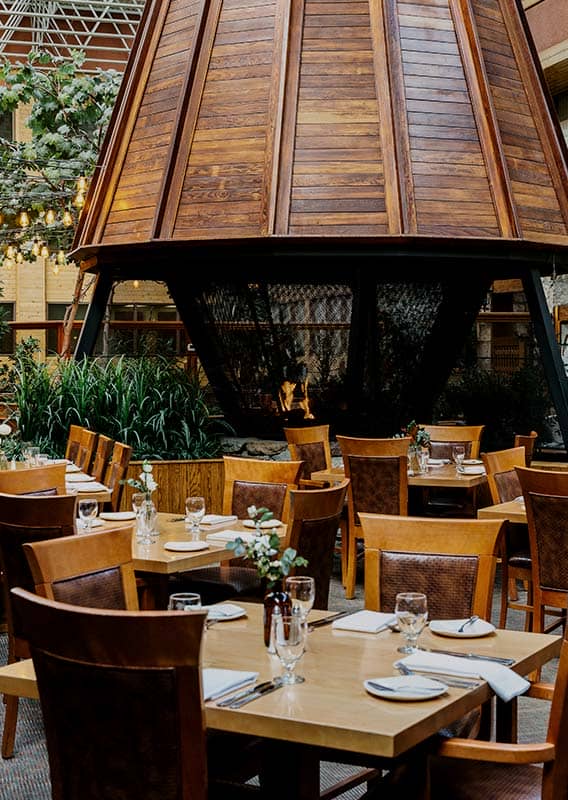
[[86, 449], [25, 519], [73, 442], [315, 516], [128, 684], [527, 441], [102, 457], [546, 502], [377, 470], [46, 480], [466, 769], [115, 473], [452, 502], [93, 569], [504, 485], [310, 445]]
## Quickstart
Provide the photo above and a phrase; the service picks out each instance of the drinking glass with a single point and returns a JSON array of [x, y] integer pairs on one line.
[[302, 591], [290, 642], [411, 609], [88, 510], [458, 455], [194, 512], [138, 500], [184, 601]]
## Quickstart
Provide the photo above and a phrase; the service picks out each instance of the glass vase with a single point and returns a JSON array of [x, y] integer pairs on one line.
[[274, 597], [147, 523]]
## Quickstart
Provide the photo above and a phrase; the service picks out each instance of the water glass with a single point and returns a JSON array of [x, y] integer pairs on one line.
[[302, 591], [184, 601], [411, 609], [194, 511], [290, 642], [88, 510], [458, 455], [138, 500], [147, 523]]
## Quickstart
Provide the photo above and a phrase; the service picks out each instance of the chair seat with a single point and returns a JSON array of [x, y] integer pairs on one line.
[[457, 779], [217, 584]]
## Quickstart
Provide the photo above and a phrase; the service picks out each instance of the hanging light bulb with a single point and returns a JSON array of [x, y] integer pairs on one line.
[[8, 263], [55, 268], [19, 257], [36, 247], [136, 284], [82, 183], [79, 199], [49, 216], [24, 219], [11, 252], [67, 218], [60, 257], [44, 251]]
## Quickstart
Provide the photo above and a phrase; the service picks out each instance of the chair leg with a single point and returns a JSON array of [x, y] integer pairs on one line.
[[10, 720], [344, 554], [351, 565], [504, 593]]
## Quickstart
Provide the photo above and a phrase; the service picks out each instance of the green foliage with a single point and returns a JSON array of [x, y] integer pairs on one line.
[[152, 404]]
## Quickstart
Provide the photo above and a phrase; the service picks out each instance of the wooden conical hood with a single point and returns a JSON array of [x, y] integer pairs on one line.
[[349, 119]]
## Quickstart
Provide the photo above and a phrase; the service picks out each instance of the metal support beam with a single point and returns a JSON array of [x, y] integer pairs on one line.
[[94, 317], [549, 348]]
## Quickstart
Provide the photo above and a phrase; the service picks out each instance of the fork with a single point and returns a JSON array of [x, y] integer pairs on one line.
[[404, 689], [457, 683], [469, 621]]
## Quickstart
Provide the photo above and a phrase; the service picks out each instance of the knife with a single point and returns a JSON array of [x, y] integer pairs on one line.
[[244, 693], [254, 695], [507, 662], [327, 620]]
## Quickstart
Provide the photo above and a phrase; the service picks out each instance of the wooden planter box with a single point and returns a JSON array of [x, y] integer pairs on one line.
[[177, 480]]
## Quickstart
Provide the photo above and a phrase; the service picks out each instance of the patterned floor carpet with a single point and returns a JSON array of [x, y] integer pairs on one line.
[[26, 776]]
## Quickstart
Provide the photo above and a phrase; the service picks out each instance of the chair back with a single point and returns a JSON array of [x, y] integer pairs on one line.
[[502, 478], [546, 501], [527, 441], [102, 457], [27, 519], [310, 445], [46, 480], [252, 481], [443, 437], [355, 446], [130, 682], [116, 472], [315, 517], [452, 561], [73, 442], [86, 450], [94, 569]]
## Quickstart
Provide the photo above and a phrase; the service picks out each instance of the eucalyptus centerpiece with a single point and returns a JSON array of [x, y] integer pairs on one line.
[[263, 550]]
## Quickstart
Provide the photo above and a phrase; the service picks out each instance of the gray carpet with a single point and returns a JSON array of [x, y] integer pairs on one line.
[[26, 776]]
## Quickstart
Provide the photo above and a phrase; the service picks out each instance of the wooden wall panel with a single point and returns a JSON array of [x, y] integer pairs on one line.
[[224, 186], [451, 185], [532, 186], [132, 211], [337, 177]]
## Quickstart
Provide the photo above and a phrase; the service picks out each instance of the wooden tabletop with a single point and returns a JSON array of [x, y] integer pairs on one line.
[[514, 511], [332, 708], [446, 476]]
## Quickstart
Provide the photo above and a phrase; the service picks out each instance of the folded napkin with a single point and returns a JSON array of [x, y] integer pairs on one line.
[[218, 519], [96, 523], [437, 462], [89, 486], [229, 536], [471, 470], [217, 682], [365, 621], [505, 683]]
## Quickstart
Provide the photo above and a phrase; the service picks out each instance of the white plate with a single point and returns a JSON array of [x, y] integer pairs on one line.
[[268, 523], [96, 523], [471, 461], [70, 468], [78, 478], [186, 547], [225, 612], [475, 470], [117, 516], [449, 627], [406, 687]]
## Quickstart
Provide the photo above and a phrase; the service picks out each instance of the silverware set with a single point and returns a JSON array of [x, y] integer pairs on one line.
[[248, 695]]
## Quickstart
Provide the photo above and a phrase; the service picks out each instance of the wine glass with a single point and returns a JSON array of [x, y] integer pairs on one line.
[[184, 601], [138, 500], [302, 591], [411, 609], [290, 641], [458, 455], [194, 511], [88, 510]]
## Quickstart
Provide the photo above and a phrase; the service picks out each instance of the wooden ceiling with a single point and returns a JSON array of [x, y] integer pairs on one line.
[[328, 119]]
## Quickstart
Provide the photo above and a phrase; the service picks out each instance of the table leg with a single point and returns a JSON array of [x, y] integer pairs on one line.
[[153, 590], [289, 770]]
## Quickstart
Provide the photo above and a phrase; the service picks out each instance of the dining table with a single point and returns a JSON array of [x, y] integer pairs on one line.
[[513, 511], [331, 715], [444, 476]]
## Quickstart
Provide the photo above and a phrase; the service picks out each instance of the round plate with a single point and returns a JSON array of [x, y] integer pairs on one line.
[[472, 470], [268, 523], [406, 687], [186, 547], [225, 612], [75, 477], [449, 627], [471, 461], [117, 516]]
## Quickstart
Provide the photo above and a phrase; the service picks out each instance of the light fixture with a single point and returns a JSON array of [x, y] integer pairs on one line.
[[67, 219], [24, 219], [10, 252], [44, 251], [79, 199], [55, 268], [82, 183], [49, 216], [60, 257], [136, 283], [19, 257], [36, 247]]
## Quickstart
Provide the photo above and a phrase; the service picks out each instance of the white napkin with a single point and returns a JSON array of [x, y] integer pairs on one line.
[[437, 462], [229, 536], [217, 682], [365, 621], [92, 486], [96, 523], [505, 683], [218, 519], [471, 470]]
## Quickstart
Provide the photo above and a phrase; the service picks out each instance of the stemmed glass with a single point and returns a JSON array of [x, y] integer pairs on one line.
[[302, 591], [195, 511], [88, 510], [411, 609], [458, 455], [184, 601], [290, 641]]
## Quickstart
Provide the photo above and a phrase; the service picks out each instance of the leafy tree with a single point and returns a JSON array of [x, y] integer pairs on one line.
[[45, 176]]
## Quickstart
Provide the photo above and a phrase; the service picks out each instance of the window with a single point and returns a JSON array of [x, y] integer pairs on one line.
[[8, 341], [56, 311], [6, 125], [146, 338]]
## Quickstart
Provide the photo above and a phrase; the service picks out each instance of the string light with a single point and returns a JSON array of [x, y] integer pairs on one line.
[[136, 284], [24, 219], [55, 268], [44, 251], [67, 219], [82, 184], [36, 248], [60, 257], [49, 217]]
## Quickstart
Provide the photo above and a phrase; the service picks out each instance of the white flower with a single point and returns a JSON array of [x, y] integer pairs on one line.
[[251, 511], [146, 468]]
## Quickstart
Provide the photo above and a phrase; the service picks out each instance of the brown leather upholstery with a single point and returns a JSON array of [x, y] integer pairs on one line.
[[375, 484], [508, 485], [313, 456], [310, 445], [527, 441], [98, 590], [550, 517], [248, 493], [121, 700], [444, 449]]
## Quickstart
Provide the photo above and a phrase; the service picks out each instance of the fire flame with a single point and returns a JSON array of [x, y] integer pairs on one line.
[[288, 401]]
